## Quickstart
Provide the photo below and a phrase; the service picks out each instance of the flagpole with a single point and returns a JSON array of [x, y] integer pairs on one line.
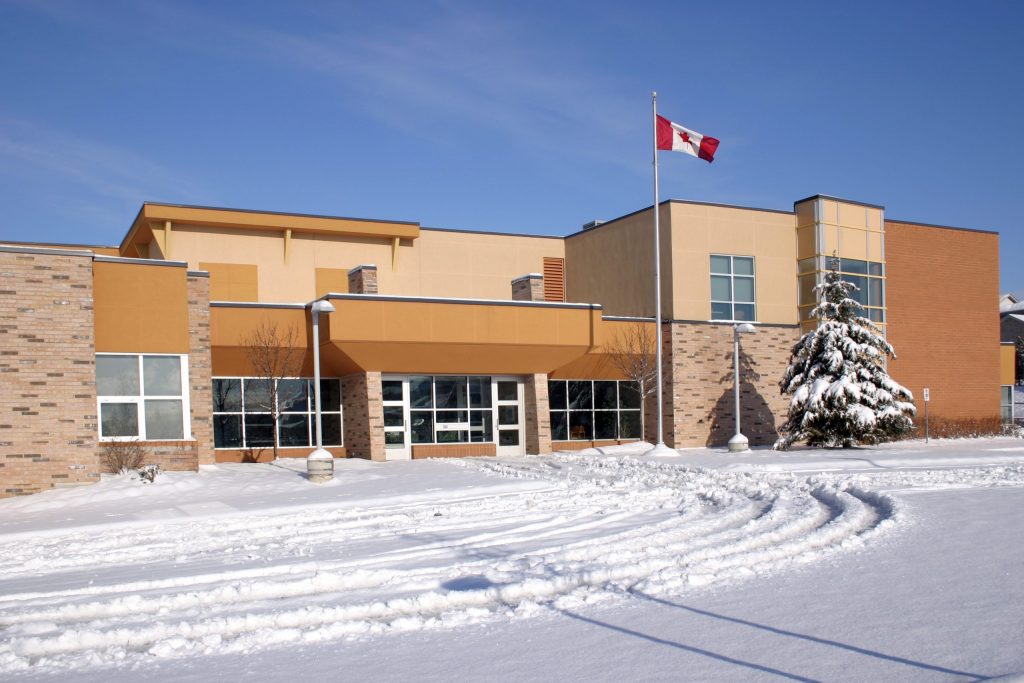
[[660, 447]]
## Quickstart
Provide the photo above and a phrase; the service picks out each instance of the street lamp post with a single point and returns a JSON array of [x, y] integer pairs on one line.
[[738, 442], [319, 463]]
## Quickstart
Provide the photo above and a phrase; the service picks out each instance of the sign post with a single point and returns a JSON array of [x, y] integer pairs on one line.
[[926, 398]]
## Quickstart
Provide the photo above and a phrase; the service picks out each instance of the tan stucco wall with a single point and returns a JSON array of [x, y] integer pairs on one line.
[[140, 308], [770, 237], [1007, 353], [437, 263], [612, 265]]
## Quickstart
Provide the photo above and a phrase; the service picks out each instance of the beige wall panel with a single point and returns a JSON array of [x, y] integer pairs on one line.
[[875, 219], [806, 242], [1006, 364], [853, 215], [612, 265], [854, 243], [698, 231], [874, 241], [829, 211], [804, 213], [831, 240], [140, 308]]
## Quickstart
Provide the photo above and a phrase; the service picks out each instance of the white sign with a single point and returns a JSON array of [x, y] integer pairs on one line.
[[926, 393], [452, 426]]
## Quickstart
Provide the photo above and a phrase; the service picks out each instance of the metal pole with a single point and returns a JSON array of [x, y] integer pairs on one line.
[[926, 421], [316, 375], [736, 372], [657, 273]]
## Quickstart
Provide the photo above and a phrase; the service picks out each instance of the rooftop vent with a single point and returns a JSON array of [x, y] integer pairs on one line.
[[593, 224]]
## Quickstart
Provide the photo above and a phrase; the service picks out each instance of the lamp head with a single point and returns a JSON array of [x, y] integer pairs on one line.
[[322, 306], [745, 328]]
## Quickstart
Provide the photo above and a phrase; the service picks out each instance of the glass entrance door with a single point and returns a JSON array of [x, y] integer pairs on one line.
[[396, 417], [509, 416]]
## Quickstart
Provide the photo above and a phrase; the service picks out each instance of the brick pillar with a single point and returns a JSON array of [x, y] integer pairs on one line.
[[363, 279], [538, 417], [363, 415], [200, 366], [48, 435], [529, 287]]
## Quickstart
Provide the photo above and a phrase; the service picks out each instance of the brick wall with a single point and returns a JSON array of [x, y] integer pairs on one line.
[[363, 280], [528, 288], [699, 383], [363, 415], [536, 407], [48, 371], [942, 292], [200, 364]]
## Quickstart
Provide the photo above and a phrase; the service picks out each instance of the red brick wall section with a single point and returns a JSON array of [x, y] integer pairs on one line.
[[700, 385], [200, 364], [47, 372], [363, 415], [942, 295], [538, 416]]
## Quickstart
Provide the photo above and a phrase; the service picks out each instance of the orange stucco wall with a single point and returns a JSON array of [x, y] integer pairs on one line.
[[942, 289], [140, 308], [1007, 364]]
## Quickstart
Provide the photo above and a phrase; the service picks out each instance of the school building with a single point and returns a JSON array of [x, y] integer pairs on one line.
[[455, 343]]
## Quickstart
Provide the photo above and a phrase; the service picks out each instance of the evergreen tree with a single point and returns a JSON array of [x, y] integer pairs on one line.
[[841, 392]]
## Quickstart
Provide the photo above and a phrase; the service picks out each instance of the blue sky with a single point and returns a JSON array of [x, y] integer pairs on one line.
[[525, 117]]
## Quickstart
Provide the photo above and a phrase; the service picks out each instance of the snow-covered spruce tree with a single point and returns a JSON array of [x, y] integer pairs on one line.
[[841, 393]]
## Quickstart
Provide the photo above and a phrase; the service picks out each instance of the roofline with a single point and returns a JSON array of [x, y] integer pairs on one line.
[[943, 227], [678, 201], [44, 245], [273, 213], [496, 233], [838, 199]]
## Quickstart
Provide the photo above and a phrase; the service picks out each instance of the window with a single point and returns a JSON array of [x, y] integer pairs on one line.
[[1006, 403], [142, 397], [586, 410], [732, 288], [867, 275], [450, 409], [242, 416]]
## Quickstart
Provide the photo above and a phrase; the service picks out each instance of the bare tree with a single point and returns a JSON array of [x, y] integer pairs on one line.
[[632, 352], [274, 354]]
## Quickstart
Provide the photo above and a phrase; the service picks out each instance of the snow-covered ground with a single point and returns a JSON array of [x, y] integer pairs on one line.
[[897, 563]]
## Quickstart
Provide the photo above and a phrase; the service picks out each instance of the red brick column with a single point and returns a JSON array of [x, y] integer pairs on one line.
[[47, 370], [538, 415], [362, 404], [200, 366]]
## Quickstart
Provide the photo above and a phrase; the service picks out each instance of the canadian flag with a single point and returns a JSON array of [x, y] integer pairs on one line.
[[672, 136]]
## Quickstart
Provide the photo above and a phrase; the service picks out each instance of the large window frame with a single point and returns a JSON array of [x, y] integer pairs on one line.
[[142, 398], [1006, 403], [728, 276], [869, 276], [580, 410], [229, 420]]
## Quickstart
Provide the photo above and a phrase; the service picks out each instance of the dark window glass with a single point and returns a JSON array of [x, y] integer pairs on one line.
[[479, 392], [581, 426], [330, 428], [227, 395], [744, 311], [720, 311], [420, 392], [876, 315], [162, 375], [807, 295], [508, 391], [559, 426], [227, 431], [256, 395], [874, 269], [629, 424], [453, 437], [293, 430], [450, 392], [580, 397], [394, 416], [876, 295], [481, 430], [629, 395], [860, 295], [163, 419], [117, 375], [330, 394], [421, 426], [720, 264], [604, 395], [849, 265], [557, 395], [508, 415], [742, 265], [508, 437], [292, 395], [119, 419], [391, 389], [394, 439], [259, 430], [806, 265], [452, 416], [605, 424]]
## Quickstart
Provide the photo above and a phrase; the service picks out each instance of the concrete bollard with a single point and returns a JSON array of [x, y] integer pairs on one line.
[[320, 466]]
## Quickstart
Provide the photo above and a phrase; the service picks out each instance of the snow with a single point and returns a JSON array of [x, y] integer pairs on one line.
[[895, 562]]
